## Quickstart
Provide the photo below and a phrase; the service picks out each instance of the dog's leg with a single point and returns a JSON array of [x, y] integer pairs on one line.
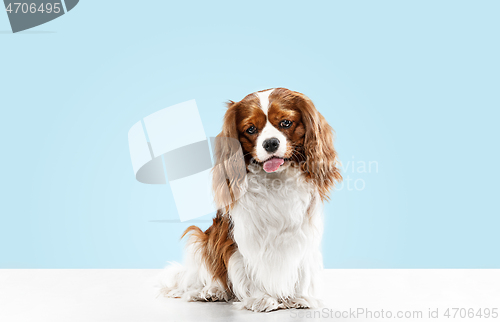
[[249, 295], [308, 286]]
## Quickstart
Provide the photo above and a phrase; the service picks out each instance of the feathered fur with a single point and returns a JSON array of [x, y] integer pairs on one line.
[[263, 248]]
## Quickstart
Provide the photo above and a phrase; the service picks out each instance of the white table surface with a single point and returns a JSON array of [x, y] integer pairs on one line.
[[129, 295]]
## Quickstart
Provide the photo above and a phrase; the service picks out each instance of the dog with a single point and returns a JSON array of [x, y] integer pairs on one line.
[[263, 249]]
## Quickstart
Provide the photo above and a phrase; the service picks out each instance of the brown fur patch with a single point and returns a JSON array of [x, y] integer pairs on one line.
[[216, 246]]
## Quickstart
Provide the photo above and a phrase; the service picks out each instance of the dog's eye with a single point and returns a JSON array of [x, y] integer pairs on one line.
[[285, 124], [251, 130]]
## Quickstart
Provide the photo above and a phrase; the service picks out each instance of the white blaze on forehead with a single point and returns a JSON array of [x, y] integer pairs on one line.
[[269, 131], [264, 99]]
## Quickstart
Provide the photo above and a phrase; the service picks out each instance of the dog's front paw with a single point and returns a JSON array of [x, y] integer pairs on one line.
[[215, 294], [211, 294], [260, 304], [302, 303]]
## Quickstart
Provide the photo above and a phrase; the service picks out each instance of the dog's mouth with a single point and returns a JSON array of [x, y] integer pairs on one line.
[[273, 164]]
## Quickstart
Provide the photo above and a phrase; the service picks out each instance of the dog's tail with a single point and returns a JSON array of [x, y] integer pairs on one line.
[[194, 231]]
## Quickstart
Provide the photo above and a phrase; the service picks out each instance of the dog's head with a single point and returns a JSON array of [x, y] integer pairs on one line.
[[279, 128]]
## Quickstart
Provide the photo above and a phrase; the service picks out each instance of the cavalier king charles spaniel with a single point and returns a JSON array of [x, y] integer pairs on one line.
[[263, 250]]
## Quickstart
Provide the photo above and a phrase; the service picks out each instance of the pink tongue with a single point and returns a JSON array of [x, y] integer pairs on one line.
[[273, 164]]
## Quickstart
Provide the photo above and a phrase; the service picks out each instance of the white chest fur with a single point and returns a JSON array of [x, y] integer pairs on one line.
[[278, 227]]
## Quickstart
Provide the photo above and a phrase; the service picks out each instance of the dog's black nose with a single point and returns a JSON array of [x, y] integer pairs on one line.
[[271, 145]]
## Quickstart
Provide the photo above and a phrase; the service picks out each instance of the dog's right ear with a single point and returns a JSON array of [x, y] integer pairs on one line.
[[229, 172], [322, 165]]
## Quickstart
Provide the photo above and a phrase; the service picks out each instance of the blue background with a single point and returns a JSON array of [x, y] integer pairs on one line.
[[412, 85]]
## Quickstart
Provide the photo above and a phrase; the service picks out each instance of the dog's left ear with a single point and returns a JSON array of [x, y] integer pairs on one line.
[[229, 172], [322, 165]]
